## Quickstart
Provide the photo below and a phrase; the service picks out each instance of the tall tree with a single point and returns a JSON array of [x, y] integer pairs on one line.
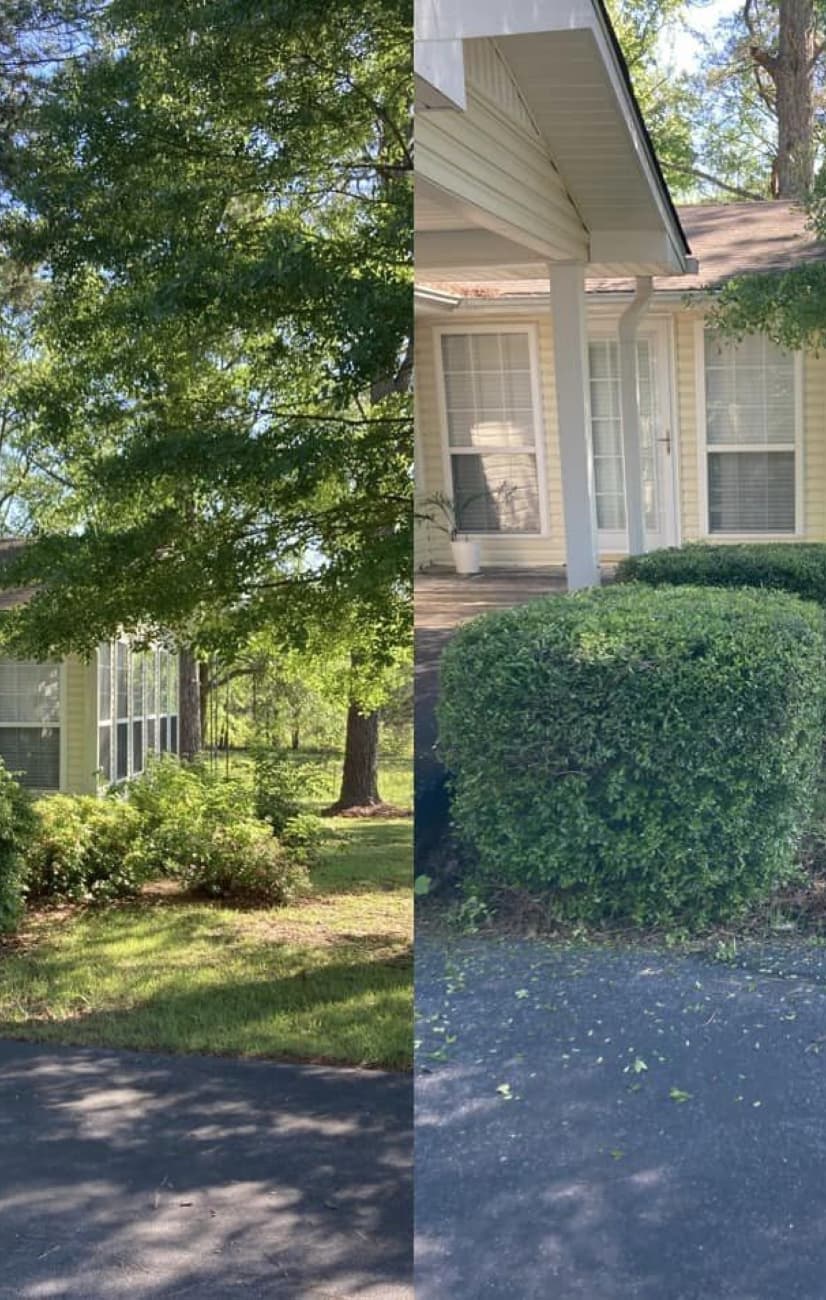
[[760, 92], [784, 68], [219, 199]]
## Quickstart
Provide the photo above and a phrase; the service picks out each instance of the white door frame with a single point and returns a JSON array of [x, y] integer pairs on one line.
[[658, 330]]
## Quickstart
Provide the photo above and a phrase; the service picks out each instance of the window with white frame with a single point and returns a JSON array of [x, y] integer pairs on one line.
[[151, 704], [122, 763], [134, 689], [30, 722], [173, 669], [751, 436], [139, 666], [492, 430], [606, 433], [163, 664], [105, 748]]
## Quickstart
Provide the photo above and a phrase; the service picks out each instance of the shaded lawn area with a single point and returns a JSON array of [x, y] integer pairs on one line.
[[328, 978]]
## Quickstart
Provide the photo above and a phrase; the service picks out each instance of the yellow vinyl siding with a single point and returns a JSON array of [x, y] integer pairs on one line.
[[685, 367], [814, 447], [79, 745], [519, 551]]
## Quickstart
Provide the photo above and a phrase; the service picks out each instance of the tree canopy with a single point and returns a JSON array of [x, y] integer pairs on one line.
[[215, 199]]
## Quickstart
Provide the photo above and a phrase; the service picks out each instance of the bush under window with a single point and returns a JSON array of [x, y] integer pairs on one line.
[[799, 568], [645, 754], [203, 830], [17, 828], [86, 849]]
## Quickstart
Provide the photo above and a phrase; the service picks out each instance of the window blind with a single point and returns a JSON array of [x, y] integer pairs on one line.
[[491, 431], [750, 436], [33, 754], [30, 722]]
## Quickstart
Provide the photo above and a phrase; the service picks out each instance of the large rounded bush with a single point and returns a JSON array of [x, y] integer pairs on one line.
[[17, 828], [799, 568], [649, 754]]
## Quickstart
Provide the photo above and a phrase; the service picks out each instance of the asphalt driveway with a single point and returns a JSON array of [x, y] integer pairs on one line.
[[134, 1175], [620, 1123]]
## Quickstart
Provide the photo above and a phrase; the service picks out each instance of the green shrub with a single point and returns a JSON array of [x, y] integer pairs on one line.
[[281, 783], [648, 754], [304, 832], [17, 828], [86, 848], [241, 860], [176, 801], [799, 568], [202, 829]]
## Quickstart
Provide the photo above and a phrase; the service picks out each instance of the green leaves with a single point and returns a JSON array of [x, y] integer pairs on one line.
[[636, 753], [218, 200], [679, 1096]]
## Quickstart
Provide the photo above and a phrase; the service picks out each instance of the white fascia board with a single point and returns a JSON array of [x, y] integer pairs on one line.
[[662, 300], [440, 20], [440, 74]]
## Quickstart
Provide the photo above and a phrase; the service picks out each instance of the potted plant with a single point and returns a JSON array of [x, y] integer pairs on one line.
[[440, 510], [443, 513]]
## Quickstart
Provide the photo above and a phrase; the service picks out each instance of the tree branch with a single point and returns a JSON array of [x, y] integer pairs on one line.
[[736, 190]]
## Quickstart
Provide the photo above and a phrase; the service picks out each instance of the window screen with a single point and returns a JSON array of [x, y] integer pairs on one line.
[[492, 431], [33, 755], [750, 436]]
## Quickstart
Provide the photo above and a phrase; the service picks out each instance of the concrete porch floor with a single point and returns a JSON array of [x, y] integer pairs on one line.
[[444, 600]]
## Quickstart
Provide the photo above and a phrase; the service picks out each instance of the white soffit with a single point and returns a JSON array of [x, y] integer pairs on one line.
[[562, 56]]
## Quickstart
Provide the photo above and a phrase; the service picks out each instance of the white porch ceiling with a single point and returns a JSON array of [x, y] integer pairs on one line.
[[571, 88]]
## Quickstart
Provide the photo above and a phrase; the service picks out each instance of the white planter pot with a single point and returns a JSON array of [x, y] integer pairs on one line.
[[465, 556]]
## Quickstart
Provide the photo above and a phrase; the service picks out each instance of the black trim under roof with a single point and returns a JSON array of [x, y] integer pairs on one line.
[[626, 76]]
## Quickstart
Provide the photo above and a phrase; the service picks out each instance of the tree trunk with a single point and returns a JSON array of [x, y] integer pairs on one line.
[[295, 737], [360, 778], [189, 707], [792, 72]]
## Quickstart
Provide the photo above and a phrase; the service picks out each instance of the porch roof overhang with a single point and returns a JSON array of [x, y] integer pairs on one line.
[[569, 79]]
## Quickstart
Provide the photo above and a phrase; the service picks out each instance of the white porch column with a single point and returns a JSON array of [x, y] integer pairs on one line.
[[630, 409], [573, 410]]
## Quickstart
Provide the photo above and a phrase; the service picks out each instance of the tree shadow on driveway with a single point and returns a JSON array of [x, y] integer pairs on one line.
[[619, 1123], [144, 1175]]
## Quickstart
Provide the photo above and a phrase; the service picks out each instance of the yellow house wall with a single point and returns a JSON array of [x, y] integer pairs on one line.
[[79, 740], [432, 547]]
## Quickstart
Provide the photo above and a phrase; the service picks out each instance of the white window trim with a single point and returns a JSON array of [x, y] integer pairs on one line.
[[532, 332], [703, 449], [111, 778]]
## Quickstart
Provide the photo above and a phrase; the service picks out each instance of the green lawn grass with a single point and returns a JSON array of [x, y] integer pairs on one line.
[[328, 978]]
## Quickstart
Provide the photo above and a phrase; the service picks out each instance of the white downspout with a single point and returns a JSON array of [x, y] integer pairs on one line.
[[629, 405]]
